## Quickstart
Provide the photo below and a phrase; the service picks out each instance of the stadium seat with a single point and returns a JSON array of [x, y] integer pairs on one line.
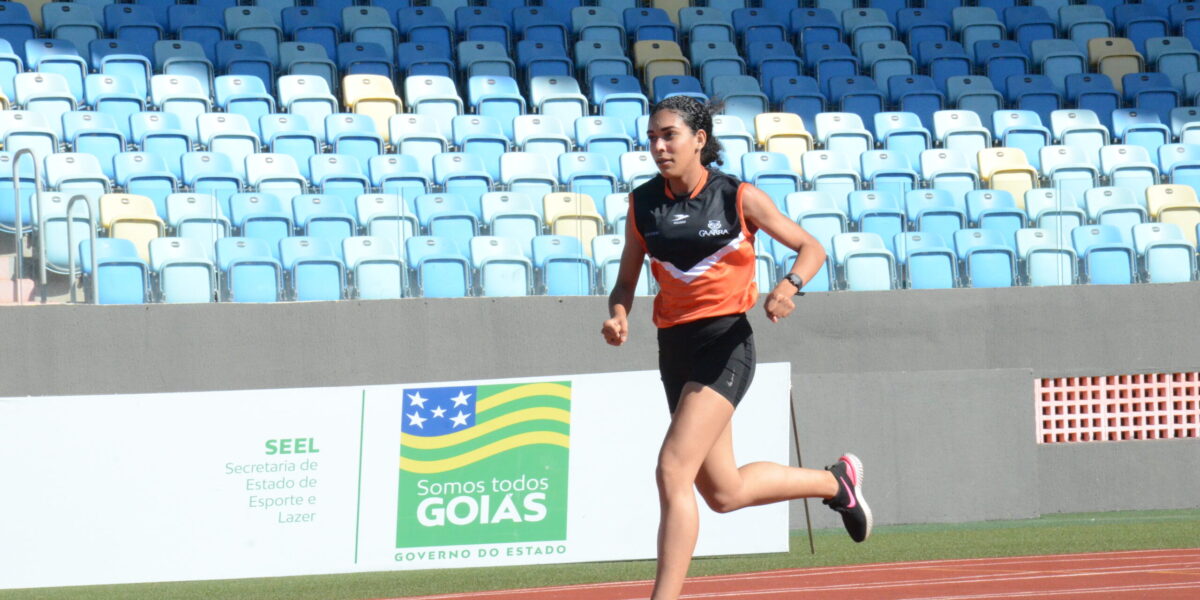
[[1106, 258], [863, 262], [927, 261]]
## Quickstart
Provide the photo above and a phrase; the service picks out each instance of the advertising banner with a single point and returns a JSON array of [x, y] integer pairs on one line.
[[263, 483]]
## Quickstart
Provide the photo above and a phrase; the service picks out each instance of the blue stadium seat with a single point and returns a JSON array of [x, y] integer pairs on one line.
[[565, 269], [1117, 207], [481, 136], [314, 269], [827, 60], [73, 21], [706, 24], [987, 260], [440, 269], [916, 94], [772, 173], [927, 261], [425, 24], [378, 269], [1095, 93], [1106, 257], [1166, 256], [943, 60], [621, 97], [814, 25], [61, 57], [145, 174], [878, 212], [183, 269], [858, 95], [1151, 92], [502, 266], [800, 95], [251, 271], [863, 262], [310, 25], [832, 172], [934, 211], [16, 26], [424, 58], [904, 134], [543, 24], [462, 175], [974, 24], [1048, 257], [121, 276], [649, 24], [1128, 166], [1083, 22], [1027, 24], [1034, 93], [1141, 128], [1022, 129], [1140, 22], [950, 171], [918, 25], [543, 58], [529, 173], [255, 24], [436, 97]]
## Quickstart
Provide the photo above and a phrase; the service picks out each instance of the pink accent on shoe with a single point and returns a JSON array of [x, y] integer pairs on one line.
[[849, 492]]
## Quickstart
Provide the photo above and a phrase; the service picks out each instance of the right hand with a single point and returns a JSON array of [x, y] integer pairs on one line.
[[615, 331]]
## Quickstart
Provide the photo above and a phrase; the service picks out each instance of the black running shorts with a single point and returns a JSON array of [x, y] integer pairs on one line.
[[717, 352]]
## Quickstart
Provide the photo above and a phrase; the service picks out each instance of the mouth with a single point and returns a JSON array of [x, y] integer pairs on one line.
[[662, 162]]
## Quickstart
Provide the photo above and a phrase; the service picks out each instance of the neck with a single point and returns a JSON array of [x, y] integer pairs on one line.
[[682, 187]]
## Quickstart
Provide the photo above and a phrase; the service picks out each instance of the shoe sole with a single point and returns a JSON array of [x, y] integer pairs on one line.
[[859, 476]]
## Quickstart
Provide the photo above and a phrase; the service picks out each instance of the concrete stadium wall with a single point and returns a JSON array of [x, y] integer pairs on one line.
[[933, 389]]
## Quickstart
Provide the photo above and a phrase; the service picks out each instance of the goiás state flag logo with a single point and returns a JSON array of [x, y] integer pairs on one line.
[[484, 464]]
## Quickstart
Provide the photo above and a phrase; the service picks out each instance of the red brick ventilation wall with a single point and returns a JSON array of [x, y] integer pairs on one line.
[[1109, 408]]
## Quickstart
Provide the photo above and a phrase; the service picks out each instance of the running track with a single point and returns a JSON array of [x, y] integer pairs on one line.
[[1160, 574]]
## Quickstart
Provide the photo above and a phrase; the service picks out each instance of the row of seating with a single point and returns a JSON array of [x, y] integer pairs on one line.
[[302, 268]]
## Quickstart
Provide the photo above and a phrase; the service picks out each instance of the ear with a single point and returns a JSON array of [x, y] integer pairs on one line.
[[702, 138]]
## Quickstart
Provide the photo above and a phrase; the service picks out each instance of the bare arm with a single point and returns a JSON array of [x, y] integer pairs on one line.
[[620, 301], [758, 209]]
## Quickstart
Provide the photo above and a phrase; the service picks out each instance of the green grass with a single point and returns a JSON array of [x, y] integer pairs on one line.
[[1086, 532]]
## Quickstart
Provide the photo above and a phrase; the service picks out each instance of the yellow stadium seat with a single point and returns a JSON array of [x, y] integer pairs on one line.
[[131, 217], [572, 214], [1175, 204], [659, 57], [1007, 169], [783, 133], [1115, 57], [372, 95], [672, 7]]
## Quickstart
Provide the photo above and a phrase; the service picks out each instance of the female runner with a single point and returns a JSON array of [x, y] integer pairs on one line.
[[698, 225]]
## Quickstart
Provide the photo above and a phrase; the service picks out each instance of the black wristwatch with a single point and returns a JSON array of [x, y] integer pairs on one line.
[[795, 280]]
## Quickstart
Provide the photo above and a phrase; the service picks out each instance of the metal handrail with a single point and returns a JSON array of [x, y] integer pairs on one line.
[[91, 244], [20, 219]]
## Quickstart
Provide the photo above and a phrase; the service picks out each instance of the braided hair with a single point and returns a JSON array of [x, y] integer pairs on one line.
[[698, 116]]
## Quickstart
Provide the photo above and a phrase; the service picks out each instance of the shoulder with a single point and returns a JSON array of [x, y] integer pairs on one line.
[[718, 179]]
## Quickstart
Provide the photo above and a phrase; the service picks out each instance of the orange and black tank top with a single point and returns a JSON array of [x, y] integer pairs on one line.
[[701, 248]]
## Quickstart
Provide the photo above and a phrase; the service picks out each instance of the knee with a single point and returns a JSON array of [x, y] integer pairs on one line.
[[673, 474], [722, 501]]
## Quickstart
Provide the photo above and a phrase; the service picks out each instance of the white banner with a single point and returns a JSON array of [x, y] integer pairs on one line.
[[265, 483]]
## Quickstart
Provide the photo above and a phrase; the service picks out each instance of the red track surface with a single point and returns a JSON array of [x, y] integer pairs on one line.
[[1160, 574]]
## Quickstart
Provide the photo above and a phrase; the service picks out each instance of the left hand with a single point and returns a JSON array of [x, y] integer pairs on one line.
[[779, 302]]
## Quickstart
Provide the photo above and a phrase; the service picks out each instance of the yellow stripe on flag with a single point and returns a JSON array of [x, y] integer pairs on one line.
[[474, 456], [556, 390], [542, 413]]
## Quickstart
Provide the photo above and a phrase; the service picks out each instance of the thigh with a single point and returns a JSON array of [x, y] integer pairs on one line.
[[698, 423]]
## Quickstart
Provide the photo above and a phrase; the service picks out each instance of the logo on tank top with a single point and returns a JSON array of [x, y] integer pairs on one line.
[[679, 219], [715, 228]]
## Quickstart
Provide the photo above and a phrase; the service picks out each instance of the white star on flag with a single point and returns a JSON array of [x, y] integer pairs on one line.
[[460, 419], [461, 399], [416, 420], [417, 400], [439, 412]]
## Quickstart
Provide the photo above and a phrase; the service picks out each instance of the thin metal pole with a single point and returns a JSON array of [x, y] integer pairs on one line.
[[800, 463]]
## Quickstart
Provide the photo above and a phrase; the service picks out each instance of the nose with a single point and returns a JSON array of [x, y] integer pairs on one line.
[[658, 146]]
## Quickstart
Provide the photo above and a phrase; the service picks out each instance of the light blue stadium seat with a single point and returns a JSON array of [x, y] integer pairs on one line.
[[637, 168], [844, 133], [251, 273], [565, 269], [180, 95], [1106, 257], [314, 268], [1022, 129], [512, 215], [434, 96], [377, 267], [606, 252], [1058, 58], [197, 217], [1117, 207], [184, 270], [1082, 22], [387, 216], [122, 277], [889, 171], [864, 262], [1069, 171], [928, 262], [418, 136], [1166, 256], [245, 96], [878, 212], [229, 134], [291, 134], [1181, 163], [541, 134], [1053, 210], [95, 134], [1128, 166], [587, 173], [162, 135], [276, 174], [61, 57], [74, 22], [950, 171], [447, 216], [113, 96], [76, 173], [973, 24], [145, 174], [440, 269], [45, 94], [528, 173], [353, 134], [497, 97], [772, 173], [502, 266], [996, 210], [620, 97], [835, 173], [1048, 257], [261, 217], [398, 174], [481, 136], [558, 97], [606, 136], [934, 211], [50, 212], [323, 216], [594, 58], [463, 175], [181, 57], [338, 175], [1137, 127], [706, 24], [1173, 56], [903, 132], [735, 142], [987, 260], [961, 130], [307, 96], [1185, 125]]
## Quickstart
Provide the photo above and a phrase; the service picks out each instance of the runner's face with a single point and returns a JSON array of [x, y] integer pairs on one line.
[[673, 145]]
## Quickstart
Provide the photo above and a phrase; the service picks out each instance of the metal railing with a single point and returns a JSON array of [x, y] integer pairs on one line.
[[91, 245], [20, 220]]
